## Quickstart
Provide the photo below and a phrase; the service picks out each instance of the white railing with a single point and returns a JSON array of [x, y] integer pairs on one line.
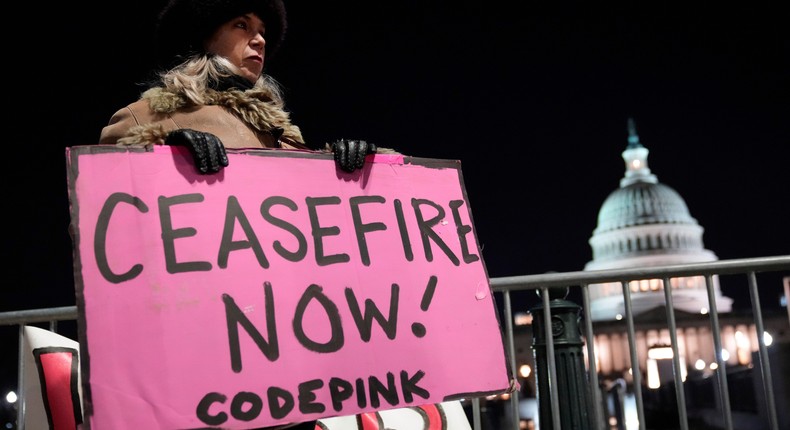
[[505, 286]]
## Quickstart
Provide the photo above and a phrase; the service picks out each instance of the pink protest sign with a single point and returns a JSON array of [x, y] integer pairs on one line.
[[278, 290]]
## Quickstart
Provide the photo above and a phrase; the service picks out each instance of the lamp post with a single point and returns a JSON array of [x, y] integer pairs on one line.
[[572, 387]]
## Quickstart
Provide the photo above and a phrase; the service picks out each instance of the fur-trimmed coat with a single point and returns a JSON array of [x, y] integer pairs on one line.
[[240, 119]]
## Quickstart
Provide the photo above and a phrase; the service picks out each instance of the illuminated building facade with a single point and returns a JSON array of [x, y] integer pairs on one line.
[[645, 223]]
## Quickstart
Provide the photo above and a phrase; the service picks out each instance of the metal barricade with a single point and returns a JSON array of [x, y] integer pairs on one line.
[[505, 286]]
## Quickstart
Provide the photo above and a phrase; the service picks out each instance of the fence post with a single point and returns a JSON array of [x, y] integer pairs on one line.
[[572, 387]]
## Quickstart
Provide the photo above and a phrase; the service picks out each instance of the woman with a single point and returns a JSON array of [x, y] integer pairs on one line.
[[215, 95]]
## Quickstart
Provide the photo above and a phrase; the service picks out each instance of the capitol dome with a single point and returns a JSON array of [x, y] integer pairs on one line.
[[646, 223], [642, 203]]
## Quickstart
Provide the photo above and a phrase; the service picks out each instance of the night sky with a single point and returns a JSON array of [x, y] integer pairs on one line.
[[533, 100]]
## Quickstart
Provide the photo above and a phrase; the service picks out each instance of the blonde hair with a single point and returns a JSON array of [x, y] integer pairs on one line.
[[191, 78]]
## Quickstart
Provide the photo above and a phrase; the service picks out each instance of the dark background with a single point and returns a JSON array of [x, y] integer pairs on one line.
[[533, 100]]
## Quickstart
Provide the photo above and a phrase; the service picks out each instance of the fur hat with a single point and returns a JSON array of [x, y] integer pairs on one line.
[[185, 25]]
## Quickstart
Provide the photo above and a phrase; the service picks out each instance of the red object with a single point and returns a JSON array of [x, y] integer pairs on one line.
[[57, 369]]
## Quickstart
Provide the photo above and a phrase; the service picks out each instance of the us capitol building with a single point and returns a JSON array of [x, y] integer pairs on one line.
[[645, 223], [641, 224]]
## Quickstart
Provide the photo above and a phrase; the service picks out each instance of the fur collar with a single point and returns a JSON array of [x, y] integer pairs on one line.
[[255, 107]]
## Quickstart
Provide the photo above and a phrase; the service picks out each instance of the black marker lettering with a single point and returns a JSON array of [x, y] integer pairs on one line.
[[266, 207], [233, 212], [235, 317], [100, 237], [409, 386], [203, 409], [426, 230], [307, 403], [463, 230], [404, 233], [339, 390], [281, 402], [320, 232], [315, 292], [389, 391], [169, 235], [360, 228], [364, 323], [245, 398]]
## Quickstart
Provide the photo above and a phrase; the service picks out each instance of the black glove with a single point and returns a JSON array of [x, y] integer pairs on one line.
[[206, 149], [350, 154]]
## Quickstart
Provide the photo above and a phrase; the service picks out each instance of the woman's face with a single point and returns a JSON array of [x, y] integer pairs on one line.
[[241, 41]]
